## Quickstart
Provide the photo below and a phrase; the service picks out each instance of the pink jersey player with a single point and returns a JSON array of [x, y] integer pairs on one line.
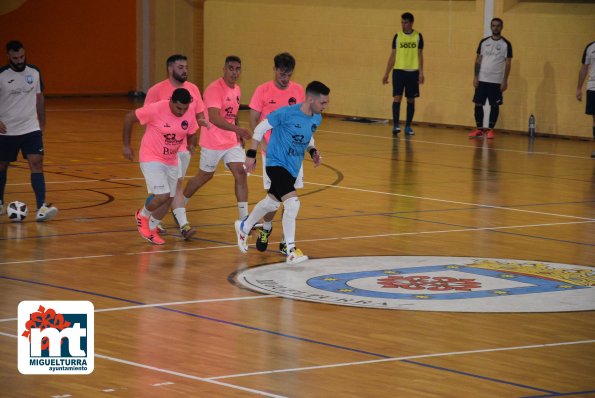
[[163, 90], [165, 132], [219, 95], [268, 97]]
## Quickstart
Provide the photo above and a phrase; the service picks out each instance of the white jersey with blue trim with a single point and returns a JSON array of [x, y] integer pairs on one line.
[[291, 134], [18, 99]]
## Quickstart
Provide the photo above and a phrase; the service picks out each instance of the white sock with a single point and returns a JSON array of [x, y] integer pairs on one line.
[[145, 213], [153, 223], [243, 209], [268, 225], [291, 207], [263, 207], [180, 214]]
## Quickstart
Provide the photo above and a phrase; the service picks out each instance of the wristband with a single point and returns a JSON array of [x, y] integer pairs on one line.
[[251, 153], [312, 152]]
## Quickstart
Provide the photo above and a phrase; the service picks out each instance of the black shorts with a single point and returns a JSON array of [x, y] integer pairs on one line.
[[489, 91], [408, 81], [590, 110], [282, 182], [28, 144]]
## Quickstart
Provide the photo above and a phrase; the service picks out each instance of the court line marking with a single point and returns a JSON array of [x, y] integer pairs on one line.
[[393, 359], [456, 145], [170, 304], [368, 191], [302, 240], [355, 134], [174, 373]]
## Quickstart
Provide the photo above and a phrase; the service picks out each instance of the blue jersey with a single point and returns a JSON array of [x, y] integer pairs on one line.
[[292, 131]]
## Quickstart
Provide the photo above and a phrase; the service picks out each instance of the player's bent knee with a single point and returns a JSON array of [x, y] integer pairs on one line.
[[270, 204], [292, 207]]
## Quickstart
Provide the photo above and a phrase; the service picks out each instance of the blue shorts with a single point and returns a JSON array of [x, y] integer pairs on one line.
[[28, 144]]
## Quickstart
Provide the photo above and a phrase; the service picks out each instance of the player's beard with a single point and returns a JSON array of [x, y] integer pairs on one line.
[[179, 77], [18, 67]]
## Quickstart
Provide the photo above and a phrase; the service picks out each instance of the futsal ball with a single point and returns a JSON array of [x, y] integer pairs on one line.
[[17, 211]]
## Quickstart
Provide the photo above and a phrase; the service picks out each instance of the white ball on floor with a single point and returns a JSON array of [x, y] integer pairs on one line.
[[17, 211]]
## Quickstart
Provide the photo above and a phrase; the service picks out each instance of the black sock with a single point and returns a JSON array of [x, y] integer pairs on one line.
[[38, 183], [494, 112], [2, 184], [410, 113], [479, 116], [396, 113]]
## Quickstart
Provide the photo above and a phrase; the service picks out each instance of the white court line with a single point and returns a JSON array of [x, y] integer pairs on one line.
[[174, 373], [335, 365], [449, 201], [456, 145], [134, 307], [444, 231], [373, 361], [366, 191]]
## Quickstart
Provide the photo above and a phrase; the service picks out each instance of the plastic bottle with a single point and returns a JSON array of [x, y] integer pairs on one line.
[[531, 126]]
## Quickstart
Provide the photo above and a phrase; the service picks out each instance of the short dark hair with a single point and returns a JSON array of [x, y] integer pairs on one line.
[[14, 45], [173, 58], [233, 58], [317, 88], [284, 62], [182, 96], [407, 16], [499, 20]]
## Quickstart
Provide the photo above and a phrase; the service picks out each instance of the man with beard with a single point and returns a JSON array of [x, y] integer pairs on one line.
[[492, 67], [168, 123], [22, 118], [177, 77], [223, 140]]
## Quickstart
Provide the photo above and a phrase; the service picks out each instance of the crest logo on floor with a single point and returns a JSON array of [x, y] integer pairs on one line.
[[56, 337], [454, 284]]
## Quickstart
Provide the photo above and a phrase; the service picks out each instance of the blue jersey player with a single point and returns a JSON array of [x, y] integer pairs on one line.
[[293, 129]]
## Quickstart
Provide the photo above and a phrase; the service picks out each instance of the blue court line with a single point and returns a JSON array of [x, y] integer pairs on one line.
[[478, 376], [256, 329], [201, 317], [561, 394]]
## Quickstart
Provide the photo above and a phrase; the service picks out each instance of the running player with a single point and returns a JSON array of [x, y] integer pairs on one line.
[[223, 140], [293, 128], [177, 77], [267, 97], [168, 123]]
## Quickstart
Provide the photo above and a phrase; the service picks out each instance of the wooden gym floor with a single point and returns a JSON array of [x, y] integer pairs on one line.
[[171, 322]]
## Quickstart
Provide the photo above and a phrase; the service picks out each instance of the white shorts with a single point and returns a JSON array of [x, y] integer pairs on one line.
[[183, 163], [161, 178], [266, 181], [209, 158]]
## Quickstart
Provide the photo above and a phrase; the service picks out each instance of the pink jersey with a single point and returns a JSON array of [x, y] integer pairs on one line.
[[165, 132], [268, 97], [219, 95], [164, 89]]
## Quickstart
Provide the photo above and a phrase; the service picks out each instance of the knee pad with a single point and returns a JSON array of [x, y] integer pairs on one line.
[[269, 204], [292, 207]]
